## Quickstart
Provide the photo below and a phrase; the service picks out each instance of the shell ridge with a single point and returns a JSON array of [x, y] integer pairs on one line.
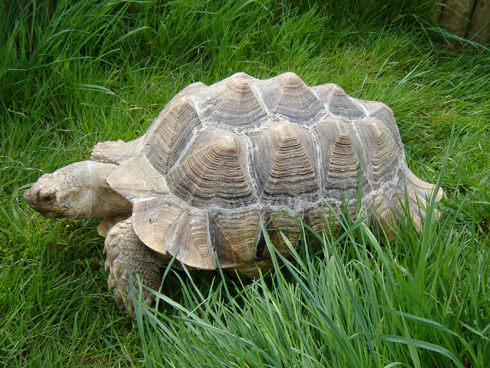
[[307, 100], [318, 157], [321, 100], [384, 151], [344, 166], [248, 167], [360, 103], [260, 100], [342, 105], [363, 156]]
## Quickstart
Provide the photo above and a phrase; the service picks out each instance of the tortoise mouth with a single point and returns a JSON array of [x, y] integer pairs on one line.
[[48, 213]]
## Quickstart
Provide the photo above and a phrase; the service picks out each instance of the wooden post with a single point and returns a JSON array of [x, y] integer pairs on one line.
[[466, 18], [479, 28]]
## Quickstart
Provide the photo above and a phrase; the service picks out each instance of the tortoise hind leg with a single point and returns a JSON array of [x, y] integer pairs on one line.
[[125, 252]]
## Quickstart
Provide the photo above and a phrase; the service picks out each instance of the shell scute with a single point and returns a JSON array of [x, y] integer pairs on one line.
[[344, 164], [154, 218], [342, 105], [116, 152], [283, 165], [213, 172], [283, 228], [137, 179], [344, 168], [381, 151], [384, 114], [232, 104], [172, 131], [188, 240], [234, 245], [288, 97], [338, 103]]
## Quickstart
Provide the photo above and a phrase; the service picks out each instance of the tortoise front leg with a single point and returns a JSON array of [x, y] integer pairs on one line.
[[125, 253]]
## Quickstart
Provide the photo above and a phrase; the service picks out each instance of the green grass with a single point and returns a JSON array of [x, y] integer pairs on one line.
[[82, 72]]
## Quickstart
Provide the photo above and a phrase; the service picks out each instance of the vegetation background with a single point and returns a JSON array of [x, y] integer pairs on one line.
[[73, 73]]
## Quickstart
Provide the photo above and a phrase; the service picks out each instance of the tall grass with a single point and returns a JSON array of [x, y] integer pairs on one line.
[[352, 303], [73, 73]]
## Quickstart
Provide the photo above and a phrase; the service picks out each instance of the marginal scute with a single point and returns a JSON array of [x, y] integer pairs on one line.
[[213, 172], [188, 240], [234, 245], [283, 165], [384, 216], [283, 227], [384, 115], [153, 218], [382, 151], [323, 216], [325, 134], [422, 189], [384, 156]]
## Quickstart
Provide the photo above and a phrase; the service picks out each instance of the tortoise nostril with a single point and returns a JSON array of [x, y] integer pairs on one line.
[[32, 196]]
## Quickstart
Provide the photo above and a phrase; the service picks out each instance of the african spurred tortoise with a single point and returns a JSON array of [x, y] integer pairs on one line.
[[220, 159]]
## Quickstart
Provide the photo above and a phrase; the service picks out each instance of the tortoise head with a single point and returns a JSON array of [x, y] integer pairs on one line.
[[77, 191]]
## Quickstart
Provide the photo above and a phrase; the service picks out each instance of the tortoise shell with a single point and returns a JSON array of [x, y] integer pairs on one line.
[[220, 159]]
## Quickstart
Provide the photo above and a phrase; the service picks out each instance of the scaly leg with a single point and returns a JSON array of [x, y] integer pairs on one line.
[[125, 252]]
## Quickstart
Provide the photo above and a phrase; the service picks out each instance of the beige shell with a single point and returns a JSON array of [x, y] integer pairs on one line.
[[218, 160]]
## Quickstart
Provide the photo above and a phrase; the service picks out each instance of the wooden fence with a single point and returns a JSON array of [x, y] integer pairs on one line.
[[469, 19]]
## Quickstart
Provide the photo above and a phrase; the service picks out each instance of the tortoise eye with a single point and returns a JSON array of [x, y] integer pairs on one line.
[[47, 197]]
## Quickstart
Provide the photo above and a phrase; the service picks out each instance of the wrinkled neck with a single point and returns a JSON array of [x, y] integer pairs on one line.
[[105, 202]]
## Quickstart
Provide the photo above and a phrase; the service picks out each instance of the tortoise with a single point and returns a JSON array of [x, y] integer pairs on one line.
[[220, 161]]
